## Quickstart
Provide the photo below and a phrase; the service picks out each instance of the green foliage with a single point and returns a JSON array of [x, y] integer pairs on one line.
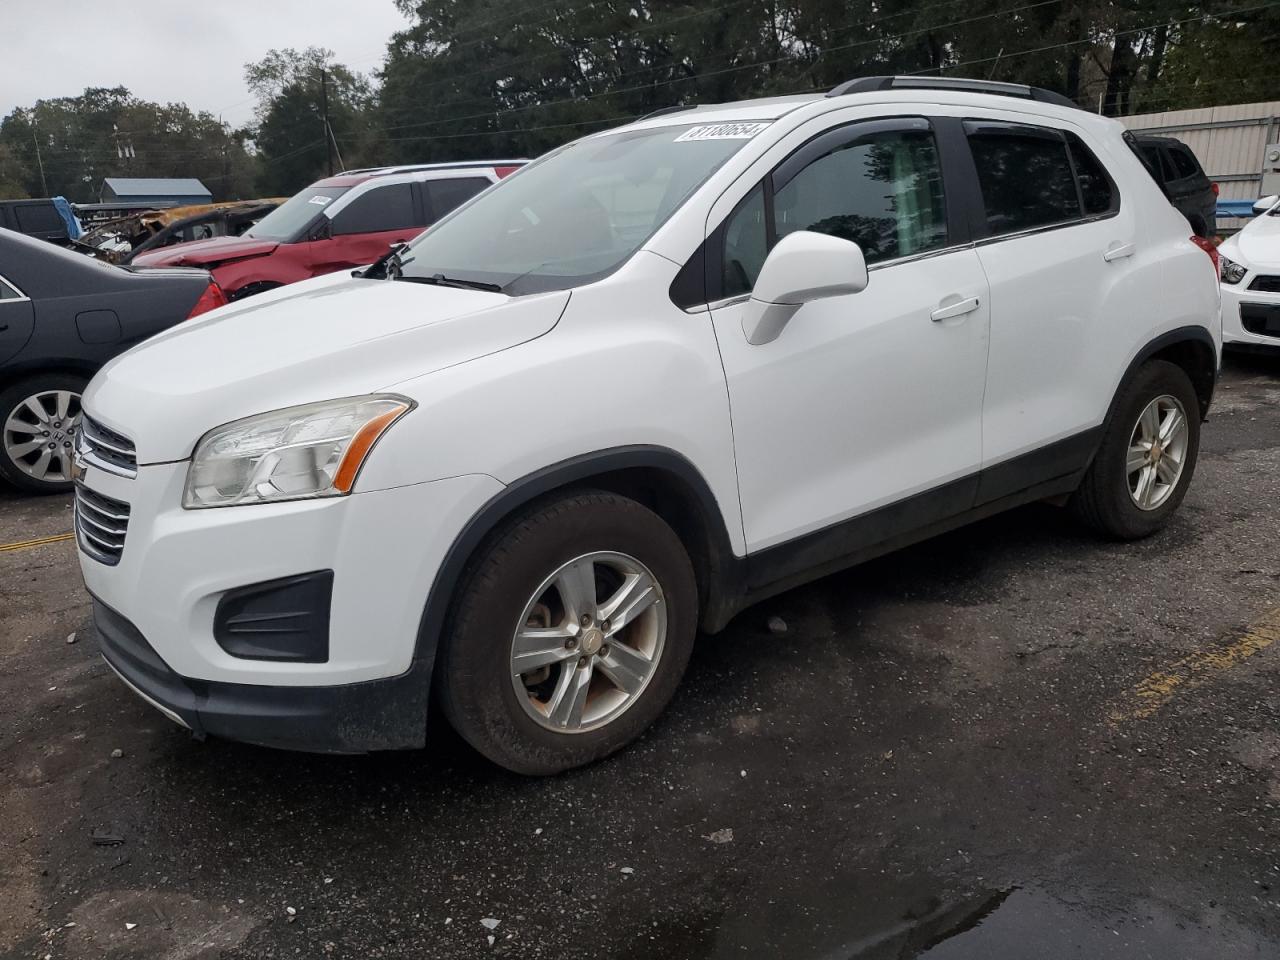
[[291, 135], [109, 133]]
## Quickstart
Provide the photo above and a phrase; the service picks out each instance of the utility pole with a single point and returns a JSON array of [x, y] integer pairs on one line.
[[324, 110], [35, 138]]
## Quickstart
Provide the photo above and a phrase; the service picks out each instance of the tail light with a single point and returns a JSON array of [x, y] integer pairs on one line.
[[504, 172], [1209, 247], [1216, 189], [211, 299]]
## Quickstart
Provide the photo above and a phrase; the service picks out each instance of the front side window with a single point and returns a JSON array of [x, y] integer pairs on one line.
[[1025, 176], [576, 215], [882, 191], [382, 208]]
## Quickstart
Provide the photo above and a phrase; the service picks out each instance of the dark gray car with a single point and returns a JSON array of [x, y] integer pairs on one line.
[[1184, 182], [62, 316]]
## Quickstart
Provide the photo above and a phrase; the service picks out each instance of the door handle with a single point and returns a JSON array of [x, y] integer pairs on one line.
[[1118, 251], [957, 308]]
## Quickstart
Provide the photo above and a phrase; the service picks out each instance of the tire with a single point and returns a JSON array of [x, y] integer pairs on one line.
[[1108, 498], [252, 289], [21, 425], [516, 719]]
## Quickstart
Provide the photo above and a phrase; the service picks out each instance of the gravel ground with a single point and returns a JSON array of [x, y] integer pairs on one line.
[[1014, 741]]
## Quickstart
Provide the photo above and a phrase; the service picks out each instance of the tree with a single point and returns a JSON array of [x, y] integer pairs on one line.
[[107, 132], [294, 89], [13, 175]]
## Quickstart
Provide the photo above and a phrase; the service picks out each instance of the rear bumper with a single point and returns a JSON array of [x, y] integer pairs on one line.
[[386, 714]]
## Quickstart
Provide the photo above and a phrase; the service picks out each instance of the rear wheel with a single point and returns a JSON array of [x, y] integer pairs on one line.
[[570, 635], [1147, 456], [41, 417]]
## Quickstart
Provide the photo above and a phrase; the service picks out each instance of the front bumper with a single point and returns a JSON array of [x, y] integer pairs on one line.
[[1250, 317], [385, 714], [362, 681]]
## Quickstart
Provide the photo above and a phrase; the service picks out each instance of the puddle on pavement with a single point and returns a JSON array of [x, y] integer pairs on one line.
[[1011, 924]]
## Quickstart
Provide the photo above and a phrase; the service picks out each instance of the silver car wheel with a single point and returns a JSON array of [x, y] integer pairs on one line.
[[1157, 452], [40, 435], [588, 642]]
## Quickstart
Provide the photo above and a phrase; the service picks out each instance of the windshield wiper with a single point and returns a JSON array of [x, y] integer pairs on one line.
[[440, 280]]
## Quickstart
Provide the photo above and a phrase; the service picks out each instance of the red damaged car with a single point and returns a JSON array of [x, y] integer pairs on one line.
[[336, 223]]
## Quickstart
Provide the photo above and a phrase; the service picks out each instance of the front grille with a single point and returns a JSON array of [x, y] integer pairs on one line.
[[1266, 283], [101, 525], [110, 450]]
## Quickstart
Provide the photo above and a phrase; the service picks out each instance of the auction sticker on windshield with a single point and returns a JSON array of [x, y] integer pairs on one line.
[[722, 131], [320, 199]]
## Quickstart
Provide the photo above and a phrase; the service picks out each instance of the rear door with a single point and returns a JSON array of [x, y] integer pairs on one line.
[[1068, 273]]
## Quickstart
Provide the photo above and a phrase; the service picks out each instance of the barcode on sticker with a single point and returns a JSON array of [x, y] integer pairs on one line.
[[722, 131]]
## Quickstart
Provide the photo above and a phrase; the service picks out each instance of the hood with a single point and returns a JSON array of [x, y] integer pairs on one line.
[[1258, 244], [202, 253], [335, 336]]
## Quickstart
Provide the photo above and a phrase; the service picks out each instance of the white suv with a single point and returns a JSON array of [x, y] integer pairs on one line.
[[657, 375]]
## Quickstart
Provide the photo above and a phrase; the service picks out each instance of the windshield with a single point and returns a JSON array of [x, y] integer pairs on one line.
[[576, 215], [286, 221]]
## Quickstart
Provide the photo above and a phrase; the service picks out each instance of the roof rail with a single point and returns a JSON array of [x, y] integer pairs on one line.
[[870, 84], [678, 108], [413, 167]]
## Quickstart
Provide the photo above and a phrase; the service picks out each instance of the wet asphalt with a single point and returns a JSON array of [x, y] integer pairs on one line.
[[1015, 741]]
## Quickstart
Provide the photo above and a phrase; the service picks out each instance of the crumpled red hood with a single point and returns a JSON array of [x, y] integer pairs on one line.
[[202, 253]]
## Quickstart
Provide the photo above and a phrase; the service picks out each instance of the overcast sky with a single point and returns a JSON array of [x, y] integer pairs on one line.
[[176, 50]]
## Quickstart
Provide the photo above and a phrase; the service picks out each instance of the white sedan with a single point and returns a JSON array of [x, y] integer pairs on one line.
[[1251, 280]]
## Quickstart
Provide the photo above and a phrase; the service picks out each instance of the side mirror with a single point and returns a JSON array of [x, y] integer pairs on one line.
[[804, 266], [323, 230], [1266, 203]]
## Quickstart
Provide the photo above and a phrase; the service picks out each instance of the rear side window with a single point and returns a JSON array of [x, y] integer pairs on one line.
[[383, 208], [7, 292], [1184, 164], [1025, 175], [445, 196], [1096, 190]]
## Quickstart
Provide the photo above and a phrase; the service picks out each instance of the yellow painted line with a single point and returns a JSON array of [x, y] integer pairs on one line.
[[38, 542], [1198, 668]]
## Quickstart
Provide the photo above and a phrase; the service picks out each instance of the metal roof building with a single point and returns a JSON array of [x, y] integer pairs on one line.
[[160, 191]]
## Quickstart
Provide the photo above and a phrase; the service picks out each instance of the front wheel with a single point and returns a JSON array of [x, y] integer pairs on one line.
[[570, 635], [1147, 456], [40, 419]]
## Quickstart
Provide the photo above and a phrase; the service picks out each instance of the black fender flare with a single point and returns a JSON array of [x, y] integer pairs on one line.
[[579, 469], [1187, 334]]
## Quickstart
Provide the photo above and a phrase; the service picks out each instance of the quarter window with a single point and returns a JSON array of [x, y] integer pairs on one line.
[[1025, 175], [7, 292], [1096, 192], [746, 244]]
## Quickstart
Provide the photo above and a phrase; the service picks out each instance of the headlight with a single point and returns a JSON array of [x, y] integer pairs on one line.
[[314, 450], [1230, 271]]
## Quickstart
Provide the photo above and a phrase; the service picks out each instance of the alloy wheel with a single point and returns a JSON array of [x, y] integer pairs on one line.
[[40, 435], [1157, 452], [588, 642]]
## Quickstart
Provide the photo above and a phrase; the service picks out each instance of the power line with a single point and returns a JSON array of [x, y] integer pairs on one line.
[[726, 70], [666, 67]]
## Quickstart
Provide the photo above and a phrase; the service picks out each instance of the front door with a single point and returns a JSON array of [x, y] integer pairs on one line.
[[870, 400]]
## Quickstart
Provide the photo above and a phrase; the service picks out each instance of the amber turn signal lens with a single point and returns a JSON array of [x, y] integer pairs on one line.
[[360, 446]]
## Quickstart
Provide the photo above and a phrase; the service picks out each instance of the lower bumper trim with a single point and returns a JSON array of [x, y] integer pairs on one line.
[[389, 714]]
